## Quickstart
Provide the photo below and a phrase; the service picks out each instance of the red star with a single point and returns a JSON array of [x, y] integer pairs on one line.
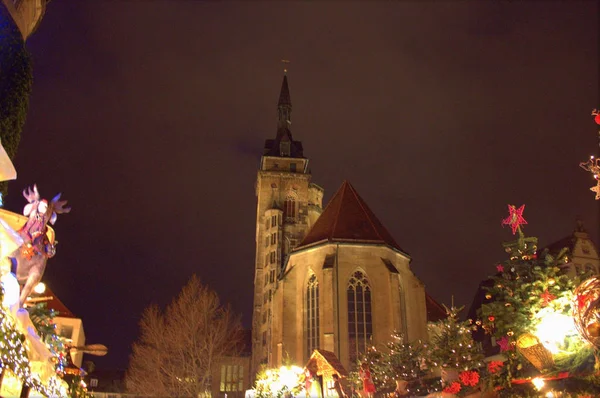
[[515, 218], [500, 268], [582, 300], [504, 344], [547, 297]]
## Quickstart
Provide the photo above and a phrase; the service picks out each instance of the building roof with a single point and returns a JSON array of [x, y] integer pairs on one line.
[[568, 242], [52, 303], [347, 218], [273, 147], [327, 363], [435, 311]]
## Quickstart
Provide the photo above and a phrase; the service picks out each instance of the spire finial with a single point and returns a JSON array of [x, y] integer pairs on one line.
[[285, 62]]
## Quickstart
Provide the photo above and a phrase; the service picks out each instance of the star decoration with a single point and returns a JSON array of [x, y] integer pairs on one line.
[[515, 218], [504, 344], [500, 268], [582, 300], [596, 189], [547, 297]]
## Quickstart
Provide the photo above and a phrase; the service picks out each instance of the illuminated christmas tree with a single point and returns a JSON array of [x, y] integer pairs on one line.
[[528, 313]]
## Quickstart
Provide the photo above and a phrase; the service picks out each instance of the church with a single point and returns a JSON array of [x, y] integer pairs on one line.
[[331, 278]]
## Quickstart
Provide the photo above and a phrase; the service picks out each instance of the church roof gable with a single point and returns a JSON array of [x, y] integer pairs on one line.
[[347, 218]]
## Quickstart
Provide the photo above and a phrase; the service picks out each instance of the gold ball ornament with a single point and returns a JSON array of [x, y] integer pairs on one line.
[[594, 329], [586, 310]]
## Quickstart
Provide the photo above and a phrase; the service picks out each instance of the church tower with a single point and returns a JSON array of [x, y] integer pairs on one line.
[[288, 205]]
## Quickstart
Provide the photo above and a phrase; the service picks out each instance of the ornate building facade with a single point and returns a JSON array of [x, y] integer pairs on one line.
[[332, 279]]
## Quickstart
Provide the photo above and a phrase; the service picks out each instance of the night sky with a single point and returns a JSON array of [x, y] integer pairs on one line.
[[150, 117]]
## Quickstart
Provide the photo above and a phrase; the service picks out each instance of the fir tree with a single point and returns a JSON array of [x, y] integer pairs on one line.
[[452, 345], [522, 296]]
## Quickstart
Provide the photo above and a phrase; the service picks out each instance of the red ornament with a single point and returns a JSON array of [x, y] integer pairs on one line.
[[597, 118], [453, 388], [500, 268], [546, 297], [515, 218], [469, 378], [582, 300], [495, 366], [504, 344], [491, 318]]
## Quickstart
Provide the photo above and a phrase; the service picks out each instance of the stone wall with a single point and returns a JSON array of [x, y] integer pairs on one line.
[[398, 298]]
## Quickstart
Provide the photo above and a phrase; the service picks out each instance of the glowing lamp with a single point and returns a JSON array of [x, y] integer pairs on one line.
[[538, 383], [40, 288], [290, 376], [553, 329]]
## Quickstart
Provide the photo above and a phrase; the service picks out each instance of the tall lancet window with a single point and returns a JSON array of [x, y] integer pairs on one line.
[[289, 207], [312, 315], [360, 323]]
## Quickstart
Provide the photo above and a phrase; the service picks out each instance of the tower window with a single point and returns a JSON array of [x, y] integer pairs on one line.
[[289, 208], [274, 221], [312, 315], [360, 325], [284, 148]]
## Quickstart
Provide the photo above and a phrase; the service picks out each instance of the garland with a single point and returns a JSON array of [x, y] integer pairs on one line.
[[16, 79]]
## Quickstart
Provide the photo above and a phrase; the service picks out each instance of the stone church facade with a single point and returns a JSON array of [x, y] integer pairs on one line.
[[332, 279]]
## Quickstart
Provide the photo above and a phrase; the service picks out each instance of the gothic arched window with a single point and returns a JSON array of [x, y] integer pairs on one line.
[[312, 315], [360, 323], [289, 207]]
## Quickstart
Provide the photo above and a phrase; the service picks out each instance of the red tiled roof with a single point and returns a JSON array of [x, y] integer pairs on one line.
[[435, 311], [347, 218]]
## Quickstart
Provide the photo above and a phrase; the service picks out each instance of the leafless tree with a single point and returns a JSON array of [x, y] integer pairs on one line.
[[179, 348]]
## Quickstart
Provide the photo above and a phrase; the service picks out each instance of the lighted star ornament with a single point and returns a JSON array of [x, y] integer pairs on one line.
[[515, 218], [593, 165]]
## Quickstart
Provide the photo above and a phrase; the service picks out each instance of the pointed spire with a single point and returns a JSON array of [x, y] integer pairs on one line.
[[284, 144], [284, 106], [284, 95]]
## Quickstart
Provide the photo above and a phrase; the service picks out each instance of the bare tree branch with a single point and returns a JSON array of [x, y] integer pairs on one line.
[[179, 348]]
